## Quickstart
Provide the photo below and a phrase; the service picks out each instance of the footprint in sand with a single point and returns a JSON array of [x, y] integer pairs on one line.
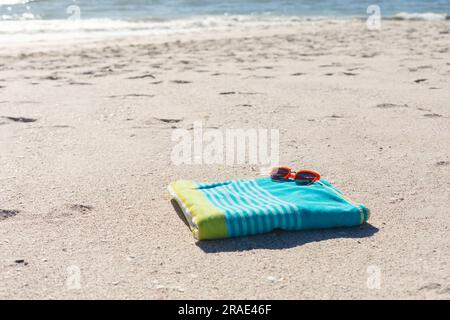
[[432, 115], [435, 287], [369, 55], [69, 210], [20, 119], [334, 64], [390, 106], [148, 75], [75, 83], [226, 93], [335, 116], [167, 120], [21, 262], [249, 93], [88, 73], [52, 77], [259, 77], [134, 95], [5, 214], [82, 208], [181, 81]]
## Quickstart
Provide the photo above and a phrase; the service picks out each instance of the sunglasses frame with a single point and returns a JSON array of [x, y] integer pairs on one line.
[[293, 174]]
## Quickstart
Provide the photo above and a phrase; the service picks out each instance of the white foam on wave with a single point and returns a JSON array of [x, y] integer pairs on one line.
[[30, 29], [24, 30], [13, 2], [428, 16], [18, 17]]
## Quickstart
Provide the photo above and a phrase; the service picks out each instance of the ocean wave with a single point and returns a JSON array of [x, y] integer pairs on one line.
[[13, 2], [19, 17], [36, 25], [33, 29], [428, 16], [24, 30]]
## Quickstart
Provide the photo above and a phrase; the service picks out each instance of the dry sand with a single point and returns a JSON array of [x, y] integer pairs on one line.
[[85, 161]]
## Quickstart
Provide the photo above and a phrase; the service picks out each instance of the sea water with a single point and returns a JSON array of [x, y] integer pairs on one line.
[[33, 20]]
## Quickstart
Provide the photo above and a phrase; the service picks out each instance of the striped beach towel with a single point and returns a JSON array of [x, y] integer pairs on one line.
[[244, 207]]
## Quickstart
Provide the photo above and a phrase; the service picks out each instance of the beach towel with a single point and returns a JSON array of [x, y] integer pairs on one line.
[[245, 207]]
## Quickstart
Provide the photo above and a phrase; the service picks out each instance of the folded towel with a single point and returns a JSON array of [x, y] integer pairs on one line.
[[243, 207]]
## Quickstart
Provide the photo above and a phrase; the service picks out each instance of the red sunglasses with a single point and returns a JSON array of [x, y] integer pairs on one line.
[[302, 177]]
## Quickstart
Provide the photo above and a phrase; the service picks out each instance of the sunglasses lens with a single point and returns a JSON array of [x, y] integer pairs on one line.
[[279, 173], [304, 178]]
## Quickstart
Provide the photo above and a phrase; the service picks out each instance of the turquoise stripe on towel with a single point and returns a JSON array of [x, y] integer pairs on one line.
[[261, 205]]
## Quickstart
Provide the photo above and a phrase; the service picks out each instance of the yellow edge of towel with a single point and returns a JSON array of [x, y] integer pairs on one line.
[[205, 220]]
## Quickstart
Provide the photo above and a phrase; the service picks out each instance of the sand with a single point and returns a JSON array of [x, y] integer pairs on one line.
[[85, 161]]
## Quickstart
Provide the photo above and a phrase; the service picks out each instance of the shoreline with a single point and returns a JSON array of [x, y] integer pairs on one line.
[[211, 33], [41, 32]]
